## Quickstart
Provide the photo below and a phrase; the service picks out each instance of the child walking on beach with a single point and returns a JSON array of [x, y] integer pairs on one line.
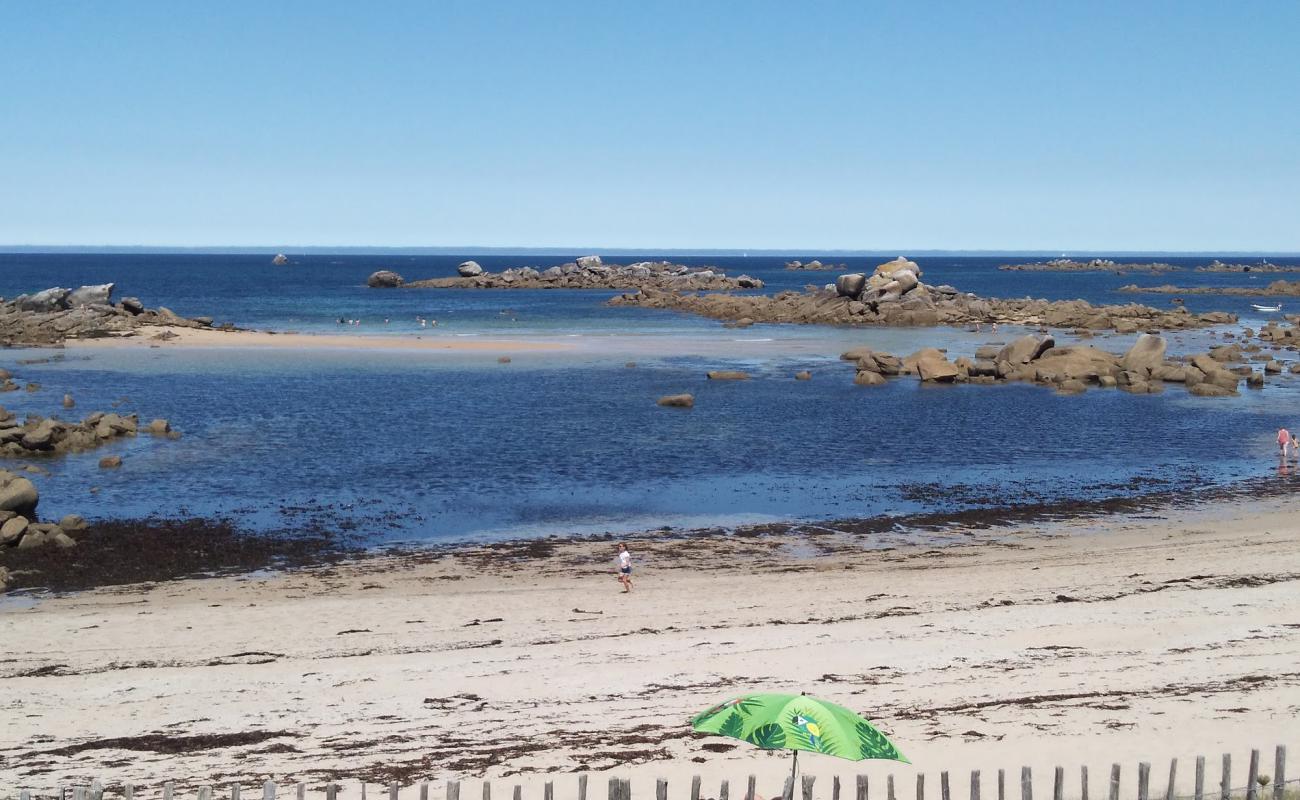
[[1283, 439], [624, 568]]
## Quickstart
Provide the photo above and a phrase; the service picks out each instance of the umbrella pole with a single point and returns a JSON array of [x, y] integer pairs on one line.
[[794, 769]]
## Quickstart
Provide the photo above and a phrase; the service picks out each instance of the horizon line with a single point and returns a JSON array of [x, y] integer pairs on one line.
[[251, 249]]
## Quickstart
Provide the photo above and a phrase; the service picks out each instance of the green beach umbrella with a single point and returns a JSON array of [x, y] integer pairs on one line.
[[797, 722]]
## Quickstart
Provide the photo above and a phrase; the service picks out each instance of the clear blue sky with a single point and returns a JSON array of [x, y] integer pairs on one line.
[[1098, 125]]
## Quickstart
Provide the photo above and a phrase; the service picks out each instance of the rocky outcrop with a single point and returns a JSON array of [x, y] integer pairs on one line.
[[727, 375], [1264, 266], [894, 295], [52, 316], [1092, 265], [21, 528], [590, 272], [1070, 369], [815, 265], [40, 436], [384, 279], [1274, 289], [280, 260], [469, 269]]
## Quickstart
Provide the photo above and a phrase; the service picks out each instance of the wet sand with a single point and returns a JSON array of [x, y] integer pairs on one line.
[[1122, 638]]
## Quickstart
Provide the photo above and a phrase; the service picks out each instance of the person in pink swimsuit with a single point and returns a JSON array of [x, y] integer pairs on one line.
[[1283, 439]]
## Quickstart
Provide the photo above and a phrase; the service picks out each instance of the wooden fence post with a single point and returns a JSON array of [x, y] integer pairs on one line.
[[582, 787], [1173, 779], [1200, 778], [920, 786], [168, 789], [128, 791], [751, 789], [1058, 784], [487, 790], [835, 788], [548, 791], [807, 786], [1002, 784], [889, 788], [787, 791], [974, 784], [1144, 780], [1279, 772], [661, 789], [301, 792], [453, 790], [943, 786], [518, 792], [1083, 782], [25, 795], [234, 792], [205, 793], [724, 791], [1225, 780], [1026, 784], [268, 791], [1114, 782], [613, 789], [695, 787], [862, 788], [96, 789], [1252, 776], [625, 788]]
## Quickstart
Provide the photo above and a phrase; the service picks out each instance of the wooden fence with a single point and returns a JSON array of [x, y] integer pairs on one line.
[[1257, 786]]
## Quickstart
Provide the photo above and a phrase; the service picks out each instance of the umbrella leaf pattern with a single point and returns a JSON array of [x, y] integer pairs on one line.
[[768, 737], [733, 726], [875, 745], [797, 722]]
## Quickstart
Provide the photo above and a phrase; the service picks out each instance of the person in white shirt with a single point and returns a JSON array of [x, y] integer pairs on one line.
[[624, 568]]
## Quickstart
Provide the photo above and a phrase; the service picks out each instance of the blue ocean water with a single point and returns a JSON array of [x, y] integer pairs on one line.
[[417, 445]]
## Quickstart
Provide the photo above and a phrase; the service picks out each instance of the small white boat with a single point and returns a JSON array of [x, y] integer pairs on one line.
[[1257, 307]]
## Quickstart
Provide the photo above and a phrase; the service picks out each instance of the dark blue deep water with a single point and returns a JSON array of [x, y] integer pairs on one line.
[[440, 446]]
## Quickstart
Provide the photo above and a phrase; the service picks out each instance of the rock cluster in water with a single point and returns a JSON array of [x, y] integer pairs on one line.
[[894, 295], [815, 265], [54, 315], [1274, 289], [1219, 266], [1070, 369], [19, 525], [46, 436], [590, 272], [1092, 265]]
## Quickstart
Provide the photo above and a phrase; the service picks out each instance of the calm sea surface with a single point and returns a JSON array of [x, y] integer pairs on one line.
[[440, 446]]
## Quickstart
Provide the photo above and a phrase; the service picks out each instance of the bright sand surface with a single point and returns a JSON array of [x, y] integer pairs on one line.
[[1094, 641], [210, 337]]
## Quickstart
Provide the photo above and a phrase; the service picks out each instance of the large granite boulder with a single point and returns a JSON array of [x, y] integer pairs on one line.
[[52, 299], [88, 295], [384, 279], [1025, 349], [1146, 355], [469, 269], [589, 262], [18, 495], [850, 285], [933, 366]]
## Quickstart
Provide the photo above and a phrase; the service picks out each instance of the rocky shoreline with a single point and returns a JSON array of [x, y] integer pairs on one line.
[[1274, 289], [895, 296], [588, 272], [55, 315], [1093, 265], [1072, 369]]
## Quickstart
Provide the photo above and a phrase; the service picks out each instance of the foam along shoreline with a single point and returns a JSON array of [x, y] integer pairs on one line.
[[1033, 646], [213, 338]]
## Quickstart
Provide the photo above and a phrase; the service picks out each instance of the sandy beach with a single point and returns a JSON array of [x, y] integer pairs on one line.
[[1124, 638], [212, 337]]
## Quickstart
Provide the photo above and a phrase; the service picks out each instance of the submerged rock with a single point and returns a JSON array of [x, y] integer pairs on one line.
[[677, 401]]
